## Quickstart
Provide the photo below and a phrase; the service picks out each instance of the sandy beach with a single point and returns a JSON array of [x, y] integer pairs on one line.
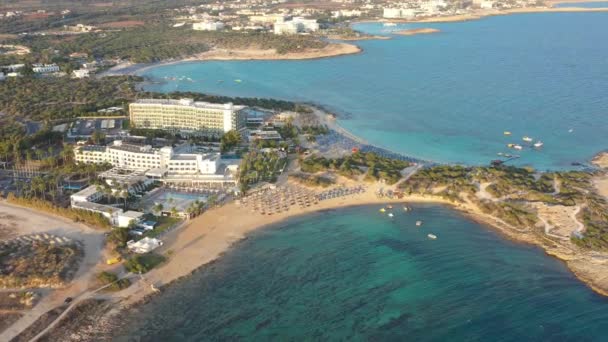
[[417, 31], [331, 50], [208, 236], [354, 39]]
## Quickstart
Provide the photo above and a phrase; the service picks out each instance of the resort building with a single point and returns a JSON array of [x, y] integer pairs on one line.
[[296, 25], [144, 157], [85, 200], [45, 68], [187, 116]]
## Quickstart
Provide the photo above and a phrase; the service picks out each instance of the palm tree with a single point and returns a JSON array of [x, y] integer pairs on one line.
[[158, 208]]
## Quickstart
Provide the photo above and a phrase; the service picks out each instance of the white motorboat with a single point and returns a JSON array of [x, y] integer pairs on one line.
[[432, 236], [538, 144]]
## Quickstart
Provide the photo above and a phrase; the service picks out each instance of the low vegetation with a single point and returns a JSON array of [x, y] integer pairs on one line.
[[37, 264], [156, 42], [312, 180], [143, 263], [374, 166], [260, 167], [64, 98], [107, 278], [86, 217]]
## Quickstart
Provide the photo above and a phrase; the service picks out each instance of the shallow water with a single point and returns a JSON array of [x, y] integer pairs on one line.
[[448, 97], [355, 274]]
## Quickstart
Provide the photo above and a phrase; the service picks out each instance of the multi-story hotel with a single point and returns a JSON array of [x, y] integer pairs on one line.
[[143, 157], [187, 116]]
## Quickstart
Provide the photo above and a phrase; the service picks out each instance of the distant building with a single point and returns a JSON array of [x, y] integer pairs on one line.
[[79, 28], [45, 68], [267, 18], [399, 13], [208, 26], [257, 134], [486, 4], [80, 73], [296, 25], [187, 116], [346, 13]]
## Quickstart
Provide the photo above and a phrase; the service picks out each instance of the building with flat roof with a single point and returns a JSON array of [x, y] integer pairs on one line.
[[144, 157], [187, 116], [208, 26], [85, 200]]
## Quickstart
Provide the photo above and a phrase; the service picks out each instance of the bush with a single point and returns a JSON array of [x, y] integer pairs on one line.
[[143, 263], [106, 278]]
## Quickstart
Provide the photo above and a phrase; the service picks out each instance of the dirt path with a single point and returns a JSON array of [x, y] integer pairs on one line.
[[32, 222]]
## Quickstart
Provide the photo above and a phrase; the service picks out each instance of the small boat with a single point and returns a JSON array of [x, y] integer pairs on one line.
[[510, 145], [382, 210], [518, 147], [500, 154], [418, 223], [220, 81], [238, 81], [406, 208], [432, 236], [527, 139], [538, 144], [390, 215], [570, 130], [506, 133], [389, 206], [389, 24]]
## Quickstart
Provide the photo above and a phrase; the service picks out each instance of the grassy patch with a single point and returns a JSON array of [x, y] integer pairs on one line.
[[106, 278], [164, 223], [144, 263]]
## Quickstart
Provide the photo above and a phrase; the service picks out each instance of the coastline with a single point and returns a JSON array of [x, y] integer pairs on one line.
[[417, 31], [207, 237], [331, 50], [483, 13]]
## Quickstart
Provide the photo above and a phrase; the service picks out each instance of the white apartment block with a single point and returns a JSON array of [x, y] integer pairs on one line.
[[143, 157], [296, 25], [208, 26], [187, 116], [399, 13]]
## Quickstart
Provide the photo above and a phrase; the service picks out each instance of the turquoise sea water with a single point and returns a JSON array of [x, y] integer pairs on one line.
[[448, 97], [356, 275]]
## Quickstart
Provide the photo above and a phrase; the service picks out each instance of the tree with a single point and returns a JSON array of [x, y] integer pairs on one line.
[[229, 140], [98, 137], [158, 208], [119, 237]]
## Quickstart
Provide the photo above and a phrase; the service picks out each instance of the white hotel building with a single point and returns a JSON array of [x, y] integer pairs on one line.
[[187, 116], [145, 158]]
